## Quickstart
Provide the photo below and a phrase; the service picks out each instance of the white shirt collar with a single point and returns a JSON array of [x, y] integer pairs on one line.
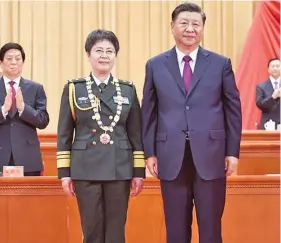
[[98, 82], [181, 55], [274, 80], [16, 80]]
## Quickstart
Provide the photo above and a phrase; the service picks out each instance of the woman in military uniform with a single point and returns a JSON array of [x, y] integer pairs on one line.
[[100, 155]]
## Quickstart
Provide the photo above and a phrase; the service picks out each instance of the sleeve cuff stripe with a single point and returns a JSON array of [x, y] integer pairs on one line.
[[138, 153], [139, 163], [63, 153], [63, 163], [63, 157]]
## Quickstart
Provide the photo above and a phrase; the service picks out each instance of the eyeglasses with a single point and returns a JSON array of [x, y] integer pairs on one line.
[[109, 53]]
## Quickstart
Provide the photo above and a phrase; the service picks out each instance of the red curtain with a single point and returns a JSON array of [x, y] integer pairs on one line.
[[262, 44]]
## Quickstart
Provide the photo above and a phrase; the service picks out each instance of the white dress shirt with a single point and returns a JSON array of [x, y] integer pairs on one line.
[[181, 55], [272, 80], [7, 86], [98, 81]]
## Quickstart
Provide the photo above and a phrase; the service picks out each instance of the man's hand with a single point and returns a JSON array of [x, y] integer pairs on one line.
[[19, 100], [8, 101], [151, 164], [230, 165], [67, 186], [276, 93], [136, 186]]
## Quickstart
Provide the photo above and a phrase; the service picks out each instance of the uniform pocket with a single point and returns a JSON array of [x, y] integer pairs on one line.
[[217, 134], [32, 142], [79, 145], [161, 136]]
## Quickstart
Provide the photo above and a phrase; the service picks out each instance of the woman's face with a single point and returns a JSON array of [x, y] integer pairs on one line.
[[102, 57]]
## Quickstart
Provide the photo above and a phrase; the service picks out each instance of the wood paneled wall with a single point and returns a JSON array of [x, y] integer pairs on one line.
[[260, 153]]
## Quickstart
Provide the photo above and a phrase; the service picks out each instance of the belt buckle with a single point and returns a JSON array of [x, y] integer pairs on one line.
[[187, 136]]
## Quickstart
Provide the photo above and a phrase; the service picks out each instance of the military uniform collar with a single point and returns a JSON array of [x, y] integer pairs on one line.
[[98, 82]]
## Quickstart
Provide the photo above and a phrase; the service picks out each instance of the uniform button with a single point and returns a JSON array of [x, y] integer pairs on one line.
[[12, 124], [110, 117], [94, 143], [94, 130], [187, 108]]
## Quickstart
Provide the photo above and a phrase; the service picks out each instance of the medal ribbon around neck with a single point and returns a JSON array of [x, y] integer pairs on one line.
[[95, 102]]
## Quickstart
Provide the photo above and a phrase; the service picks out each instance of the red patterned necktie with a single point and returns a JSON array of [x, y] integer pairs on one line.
[[187, 73], [13, 94]]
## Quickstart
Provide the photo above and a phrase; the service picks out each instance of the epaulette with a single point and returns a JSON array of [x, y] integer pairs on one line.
[[130, 83], [78, 80]]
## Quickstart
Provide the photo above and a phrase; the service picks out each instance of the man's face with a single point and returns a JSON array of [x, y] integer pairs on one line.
[[12, 63], [102, 57], [274, 68], [188, 29]]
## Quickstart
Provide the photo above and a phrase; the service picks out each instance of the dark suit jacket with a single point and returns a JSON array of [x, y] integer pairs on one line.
[[80, 154], [18, 134], [270, 107], [211, 112]]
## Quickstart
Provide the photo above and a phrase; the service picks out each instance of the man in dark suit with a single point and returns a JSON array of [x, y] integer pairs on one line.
[[23, 109], [191, 116], [100, 154], [268, 95]]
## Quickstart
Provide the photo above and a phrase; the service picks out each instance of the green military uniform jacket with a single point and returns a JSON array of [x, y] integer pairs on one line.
[[80, 151]]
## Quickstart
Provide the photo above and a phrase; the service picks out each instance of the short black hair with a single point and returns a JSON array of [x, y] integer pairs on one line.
[[188, 7], [100, 35], [10, 46], [273, 59]]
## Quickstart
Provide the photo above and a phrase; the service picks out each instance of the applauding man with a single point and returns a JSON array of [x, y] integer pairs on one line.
[[268, 95], [23, 109]]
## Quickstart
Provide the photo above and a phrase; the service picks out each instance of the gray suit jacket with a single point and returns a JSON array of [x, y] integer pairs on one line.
[[18, 134]]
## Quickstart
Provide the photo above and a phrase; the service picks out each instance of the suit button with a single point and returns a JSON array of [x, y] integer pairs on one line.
[[94, 130], [94, 143], [12, 124], [187, 108], [110, 117]]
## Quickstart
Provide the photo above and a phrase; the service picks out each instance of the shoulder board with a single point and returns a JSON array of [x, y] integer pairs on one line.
[[78, 80], [130, 83]]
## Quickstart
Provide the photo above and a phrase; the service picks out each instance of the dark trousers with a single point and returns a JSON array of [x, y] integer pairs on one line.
[[30, 173], [103, 210], [181, 194]]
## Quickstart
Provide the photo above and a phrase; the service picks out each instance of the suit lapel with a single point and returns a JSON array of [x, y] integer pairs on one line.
[[23, 86], [269, 87], [173, 67], [3, 92], [110, 89], [202, 62], [106, 95]]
